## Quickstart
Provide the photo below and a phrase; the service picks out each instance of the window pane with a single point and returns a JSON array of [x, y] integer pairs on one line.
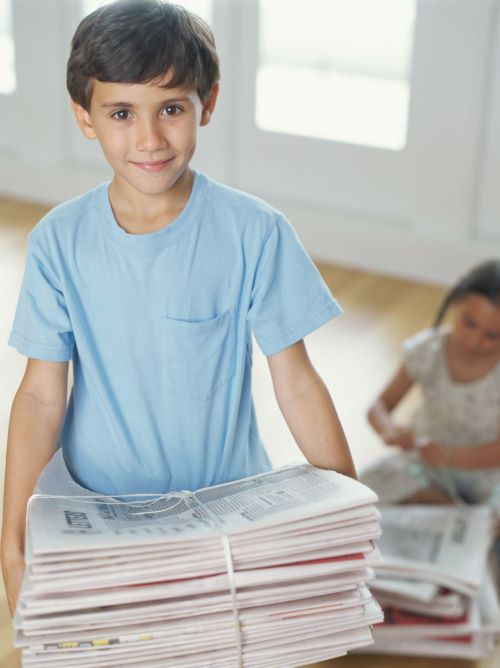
[[7, 65], [336, 69], [201, 7]]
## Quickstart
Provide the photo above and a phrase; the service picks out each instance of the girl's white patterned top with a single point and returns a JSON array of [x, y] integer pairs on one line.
[[450, 412]]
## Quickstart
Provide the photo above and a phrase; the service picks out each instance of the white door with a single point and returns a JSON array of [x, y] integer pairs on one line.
[[368, 113], [488, 203]]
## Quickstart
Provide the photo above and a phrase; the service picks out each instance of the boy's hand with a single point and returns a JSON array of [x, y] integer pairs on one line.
[[13, 576], [399, 435]]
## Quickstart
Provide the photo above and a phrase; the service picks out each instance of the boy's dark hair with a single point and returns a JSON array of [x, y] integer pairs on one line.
[[138, 41], [482, 280]]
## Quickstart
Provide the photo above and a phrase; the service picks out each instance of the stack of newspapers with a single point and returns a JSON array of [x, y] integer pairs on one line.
[[434, 584], [266, 572]]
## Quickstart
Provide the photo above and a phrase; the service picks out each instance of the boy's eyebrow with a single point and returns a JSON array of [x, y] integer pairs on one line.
[[117, 104], [130, 105]]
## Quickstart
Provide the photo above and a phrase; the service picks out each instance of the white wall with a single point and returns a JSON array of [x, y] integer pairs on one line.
[[425, 212]]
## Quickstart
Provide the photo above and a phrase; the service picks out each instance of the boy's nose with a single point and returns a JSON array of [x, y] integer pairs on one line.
[[150, 137]]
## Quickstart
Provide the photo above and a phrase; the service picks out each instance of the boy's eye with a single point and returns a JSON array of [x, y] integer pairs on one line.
[[121, 115], [171, 110]]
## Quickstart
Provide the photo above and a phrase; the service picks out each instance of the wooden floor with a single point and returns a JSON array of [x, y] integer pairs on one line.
[[354, 354]]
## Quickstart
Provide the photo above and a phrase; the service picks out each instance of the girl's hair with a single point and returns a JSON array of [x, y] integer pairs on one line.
[[139, 41], [482, 280]]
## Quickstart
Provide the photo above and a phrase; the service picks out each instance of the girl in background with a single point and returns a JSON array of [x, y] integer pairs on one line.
[[451, 450]]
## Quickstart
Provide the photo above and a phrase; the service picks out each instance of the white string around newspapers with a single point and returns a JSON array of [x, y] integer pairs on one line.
[[182, 496]]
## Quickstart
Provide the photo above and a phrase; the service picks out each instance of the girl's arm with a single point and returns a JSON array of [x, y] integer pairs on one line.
[[36, 418], [379, 414], [308, 410], [467, 457]]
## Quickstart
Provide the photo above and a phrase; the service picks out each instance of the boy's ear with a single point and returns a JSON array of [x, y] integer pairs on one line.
[[84, 121], [209, 105]]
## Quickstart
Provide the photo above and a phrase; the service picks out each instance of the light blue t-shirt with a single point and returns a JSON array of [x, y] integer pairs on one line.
[[159, 330]]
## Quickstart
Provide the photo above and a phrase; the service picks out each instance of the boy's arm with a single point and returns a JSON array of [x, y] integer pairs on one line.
[[36, 418], [308, 410]]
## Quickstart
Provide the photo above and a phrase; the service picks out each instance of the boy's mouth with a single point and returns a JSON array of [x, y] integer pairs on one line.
[[153, 166]]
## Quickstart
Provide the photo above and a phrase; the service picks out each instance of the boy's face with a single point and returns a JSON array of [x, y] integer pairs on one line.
[[147, 133]]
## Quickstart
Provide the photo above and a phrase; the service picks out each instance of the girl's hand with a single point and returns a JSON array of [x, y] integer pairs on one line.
[[436, 454], [399, 435]]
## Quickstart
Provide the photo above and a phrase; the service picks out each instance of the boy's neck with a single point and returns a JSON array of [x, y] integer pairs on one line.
[[140, 213]]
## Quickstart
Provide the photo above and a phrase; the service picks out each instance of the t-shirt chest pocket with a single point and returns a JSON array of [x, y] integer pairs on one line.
[[197, 356]]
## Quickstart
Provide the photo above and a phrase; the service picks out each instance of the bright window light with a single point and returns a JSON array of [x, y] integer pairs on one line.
[[7, 63], [336, 69], [201, 7]]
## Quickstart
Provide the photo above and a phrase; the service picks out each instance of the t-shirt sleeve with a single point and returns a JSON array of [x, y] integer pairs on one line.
[[42, 327], [289, 297], [420, 354]]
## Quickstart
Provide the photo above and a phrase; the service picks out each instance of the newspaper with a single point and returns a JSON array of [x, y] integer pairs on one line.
[[266, 500], [151, 610], [472, 647], [268, 571], [412, 590], [447, 545], [445, 604], [472, 635]]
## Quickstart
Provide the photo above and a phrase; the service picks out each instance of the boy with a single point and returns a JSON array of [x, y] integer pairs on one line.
[[152, 285]]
